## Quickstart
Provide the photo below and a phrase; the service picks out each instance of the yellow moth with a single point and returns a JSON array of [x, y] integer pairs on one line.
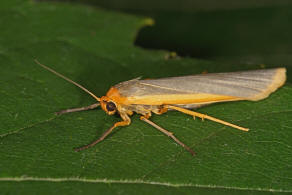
[[180, 93]]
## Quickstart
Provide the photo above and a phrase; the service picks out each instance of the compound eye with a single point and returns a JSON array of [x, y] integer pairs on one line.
[[110, 106]]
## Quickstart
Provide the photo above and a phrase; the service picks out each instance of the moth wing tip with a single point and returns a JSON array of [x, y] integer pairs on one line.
[[278, 80]]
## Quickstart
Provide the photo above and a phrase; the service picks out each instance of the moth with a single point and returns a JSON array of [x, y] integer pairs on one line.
[[181, 94]]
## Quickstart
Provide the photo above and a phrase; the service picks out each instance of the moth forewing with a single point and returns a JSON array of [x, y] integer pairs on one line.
[[203, 89]]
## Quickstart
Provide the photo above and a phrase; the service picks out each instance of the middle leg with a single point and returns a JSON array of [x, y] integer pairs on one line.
[[169, 134]]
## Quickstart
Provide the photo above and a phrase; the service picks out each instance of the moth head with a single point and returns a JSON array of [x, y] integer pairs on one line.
[[108, 105]]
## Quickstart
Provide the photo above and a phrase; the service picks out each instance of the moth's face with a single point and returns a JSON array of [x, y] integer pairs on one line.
[[107, 105]]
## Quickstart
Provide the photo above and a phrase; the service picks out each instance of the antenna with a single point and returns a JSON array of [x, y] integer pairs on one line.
[[67, 79]]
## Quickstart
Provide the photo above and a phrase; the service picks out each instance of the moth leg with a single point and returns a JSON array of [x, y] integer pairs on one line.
[[203, 116], [90, 107], [126, 121], [169, 134]]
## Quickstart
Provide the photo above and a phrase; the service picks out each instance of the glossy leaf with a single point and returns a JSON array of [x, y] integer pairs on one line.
[[95, 48]]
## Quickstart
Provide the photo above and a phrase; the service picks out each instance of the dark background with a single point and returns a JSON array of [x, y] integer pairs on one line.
[[240, 32]]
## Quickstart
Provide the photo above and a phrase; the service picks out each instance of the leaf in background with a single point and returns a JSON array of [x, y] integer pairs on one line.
[[258, 35], [241, 32], [95, 48]]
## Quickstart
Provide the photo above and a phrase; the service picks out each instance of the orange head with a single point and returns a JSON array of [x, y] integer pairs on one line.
[[108, 105]]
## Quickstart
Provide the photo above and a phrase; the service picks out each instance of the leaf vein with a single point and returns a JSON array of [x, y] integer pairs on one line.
[[85, 180]]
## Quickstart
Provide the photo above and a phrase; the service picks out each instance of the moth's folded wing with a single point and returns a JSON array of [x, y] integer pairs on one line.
[[205, 88]]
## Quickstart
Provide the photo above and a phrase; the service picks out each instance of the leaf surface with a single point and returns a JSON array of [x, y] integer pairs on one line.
[[95, 48]]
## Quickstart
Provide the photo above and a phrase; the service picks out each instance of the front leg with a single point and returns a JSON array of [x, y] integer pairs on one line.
[[126, 121], [90, 107]]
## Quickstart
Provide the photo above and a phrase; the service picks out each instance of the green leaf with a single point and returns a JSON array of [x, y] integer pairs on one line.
[[94, 47]]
